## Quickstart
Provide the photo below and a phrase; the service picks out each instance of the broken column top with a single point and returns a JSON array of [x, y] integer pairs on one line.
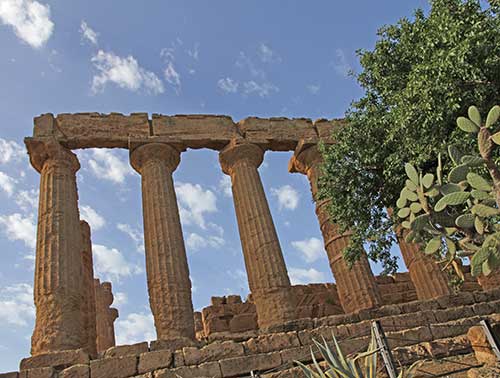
[[115, 130]]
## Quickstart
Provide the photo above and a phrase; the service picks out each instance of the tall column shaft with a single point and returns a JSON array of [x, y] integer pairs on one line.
[[356, 285], [429, 281], [89, 303], [167, 269], [267, 275], [58, 288], [105, 316]]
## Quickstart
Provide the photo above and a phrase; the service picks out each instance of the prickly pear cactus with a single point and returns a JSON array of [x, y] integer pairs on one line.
[[459, 215]]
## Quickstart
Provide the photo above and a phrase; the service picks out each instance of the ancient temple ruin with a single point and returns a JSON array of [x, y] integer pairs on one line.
[[73, 317]]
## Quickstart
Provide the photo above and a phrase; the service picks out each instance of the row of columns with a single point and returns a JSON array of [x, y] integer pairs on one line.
[[61, 299]]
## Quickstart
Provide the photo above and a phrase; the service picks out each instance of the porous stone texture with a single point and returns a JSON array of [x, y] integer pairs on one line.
[[13, 374], [126, 350], [76, 371], [58, 284], [116, 367], [491, 281], [267, 275], [105, 316], [356, 286], [46, 372], [155, 360], [481, 346], [88, 304], [169, 285], [60, 359], [429, 280]]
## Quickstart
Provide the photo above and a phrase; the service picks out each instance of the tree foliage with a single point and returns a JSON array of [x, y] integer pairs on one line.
[[422, 74]]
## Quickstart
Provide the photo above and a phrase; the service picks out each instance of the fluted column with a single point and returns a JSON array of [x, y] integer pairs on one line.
[[167, 269], [356, 286], [88, 304], [429, 280], [58, 288], [267, 275], [105, 315]]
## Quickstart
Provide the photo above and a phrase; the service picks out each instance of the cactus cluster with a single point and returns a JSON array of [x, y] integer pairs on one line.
[[458, 215]]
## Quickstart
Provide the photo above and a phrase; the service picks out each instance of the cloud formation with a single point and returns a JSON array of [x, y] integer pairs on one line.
[[19, 227], [194, 203], [228, 85], [16, 305], [11, 151], [134, 328], [299, 276], [111, 265], [94, 219], [124, 72], [7, 183], [133, 233], [29, 19], [88, 34], [106, 165], [311, 249], [288, 197], [267, 55], [340, 64]]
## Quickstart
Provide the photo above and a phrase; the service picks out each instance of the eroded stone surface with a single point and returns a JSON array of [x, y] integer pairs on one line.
[[59, 359], [105, 315], [76, 371], [155, 360], [126, 350], [116, 367]]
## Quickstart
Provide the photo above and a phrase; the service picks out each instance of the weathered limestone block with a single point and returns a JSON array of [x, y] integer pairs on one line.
[[196, 131], [45, 372], [243, 365], [481, 346], [267, 275], [76, 371], [271, 342], [172, 344], [169, 285], [485, 372], [212, 352], [59, 359], [277, 134], [105, 316], [206, 370], [86, 130], [13, 374], [243, 322], [155, 360], [491, 281], [356, 286], [58, 284], [325, 128], [88, 304], [126, 350], [116, 367]]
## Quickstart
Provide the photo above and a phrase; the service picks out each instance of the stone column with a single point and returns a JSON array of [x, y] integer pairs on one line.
[[266, 270], [88, 310], [167, 269], [105, 316], [356, 286], [58, 284], [429, 280]]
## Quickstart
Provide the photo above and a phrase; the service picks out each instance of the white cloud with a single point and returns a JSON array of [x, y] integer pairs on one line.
[[196, 242], [195, 52], [135, 234], [111, 265], [88, 34], [225, 185], [244, 61], [314, 88], [10, 150], [105, 165], [94, 219], [29, 19], [228, 85], [124, 72], [311, 249], [267, 55], [19, 227], [7, 183], [263, 89], [172, 76], [136, 327], [194, 203], [340, 64], [16, 305], [27, 200], [119, 299], [288, 197], [300, 276]]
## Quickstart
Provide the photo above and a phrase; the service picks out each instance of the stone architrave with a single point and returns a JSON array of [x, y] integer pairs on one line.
[[167, 268], [356, 286], [267, 275], [105, 315], [58, 284], [89, 303], [429, 280]]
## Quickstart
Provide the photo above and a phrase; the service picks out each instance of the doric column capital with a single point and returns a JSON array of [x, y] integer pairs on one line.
[[235, 153], [155, 152], [305, 160], [42, 150]]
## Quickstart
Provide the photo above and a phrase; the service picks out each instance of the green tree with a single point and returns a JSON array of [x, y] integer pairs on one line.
[[420, 76]]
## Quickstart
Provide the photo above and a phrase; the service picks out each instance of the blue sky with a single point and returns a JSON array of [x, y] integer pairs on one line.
[[172, 57]]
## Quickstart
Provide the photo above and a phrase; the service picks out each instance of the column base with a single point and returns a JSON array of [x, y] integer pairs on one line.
[[60, 359]]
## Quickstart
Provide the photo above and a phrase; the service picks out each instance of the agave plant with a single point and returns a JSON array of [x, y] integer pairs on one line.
[[458, 216], [340, 366]]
